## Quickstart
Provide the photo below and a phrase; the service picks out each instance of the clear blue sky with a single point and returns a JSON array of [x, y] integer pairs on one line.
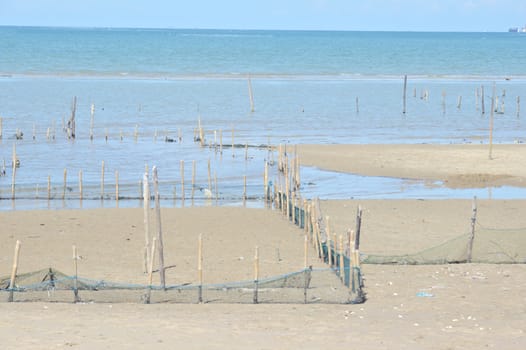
[[413, 15]]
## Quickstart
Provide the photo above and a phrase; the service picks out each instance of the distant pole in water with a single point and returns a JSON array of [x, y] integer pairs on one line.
[[1, 128], [491, 123], [482, 99], [405, 93], [250, 95], [518, 111], [459, 103], [357, 105], [92, 121], [102, 181]]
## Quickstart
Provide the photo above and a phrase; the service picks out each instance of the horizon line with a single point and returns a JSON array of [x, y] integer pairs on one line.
[[248, 29]]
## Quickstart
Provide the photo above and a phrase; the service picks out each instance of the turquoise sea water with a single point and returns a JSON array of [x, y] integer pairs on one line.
[[308, 87]]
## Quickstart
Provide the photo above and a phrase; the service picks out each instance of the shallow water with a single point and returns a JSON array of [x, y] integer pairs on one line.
[[308, 87]]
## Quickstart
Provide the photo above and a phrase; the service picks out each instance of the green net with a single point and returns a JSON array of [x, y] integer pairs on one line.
[[304, 286], [490, 245]]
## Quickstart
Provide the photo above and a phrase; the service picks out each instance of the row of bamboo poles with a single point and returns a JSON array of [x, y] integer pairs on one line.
[[497, 101]]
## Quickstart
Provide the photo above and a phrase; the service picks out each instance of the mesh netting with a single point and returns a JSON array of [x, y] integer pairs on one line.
[[304, 286], [490, 245]]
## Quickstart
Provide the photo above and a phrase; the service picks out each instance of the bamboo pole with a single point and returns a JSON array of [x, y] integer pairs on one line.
[[159, 227], [215, 185], [76, 298], [117, 188], [342, 265], [92, 121], [81, 194], [246, 151], [13, 177], [490, 156], [146, 220], [265, 183], [200, 267], [233, 155], [405, 93], [250, 95], [472, 233], [13, 271], [358, 227], [48, 187], [182, 180], [256, 274], [150, 271], [102, 181], [306, 252], [482, 100], [65, 184], [221, 141], [329, 247], [209, 177], [244, 187], [193, 179]]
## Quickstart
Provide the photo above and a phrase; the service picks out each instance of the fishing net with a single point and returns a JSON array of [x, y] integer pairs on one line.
[[490, 245], [304, 286]]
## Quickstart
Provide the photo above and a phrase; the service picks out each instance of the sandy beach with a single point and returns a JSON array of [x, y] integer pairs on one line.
[[458, 306]]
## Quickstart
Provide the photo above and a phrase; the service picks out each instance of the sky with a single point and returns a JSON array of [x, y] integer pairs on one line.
[[370, 15]]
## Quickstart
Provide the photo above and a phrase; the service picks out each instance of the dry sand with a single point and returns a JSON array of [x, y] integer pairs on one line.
[[472, 306]]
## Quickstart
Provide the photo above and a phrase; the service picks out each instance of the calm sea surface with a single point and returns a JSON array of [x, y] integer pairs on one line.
[[308, 87]]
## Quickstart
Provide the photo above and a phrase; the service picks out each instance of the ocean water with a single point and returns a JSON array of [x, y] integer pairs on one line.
[[308, 87]]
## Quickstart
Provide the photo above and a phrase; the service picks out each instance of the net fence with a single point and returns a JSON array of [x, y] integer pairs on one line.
[[490, 246], [304, 286]]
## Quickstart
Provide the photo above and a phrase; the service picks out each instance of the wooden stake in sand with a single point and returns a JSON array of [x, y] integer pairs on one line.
[[76, 298], [329, 245], [159, 227], [200, 267], [256, 274], [13, 272], [472, 233], [150, 272]]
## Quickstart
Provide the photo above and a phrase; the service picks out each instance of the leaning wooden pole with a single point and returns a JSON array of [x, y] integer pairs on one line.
[[159, 228], [472, 233], [13, 272]]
